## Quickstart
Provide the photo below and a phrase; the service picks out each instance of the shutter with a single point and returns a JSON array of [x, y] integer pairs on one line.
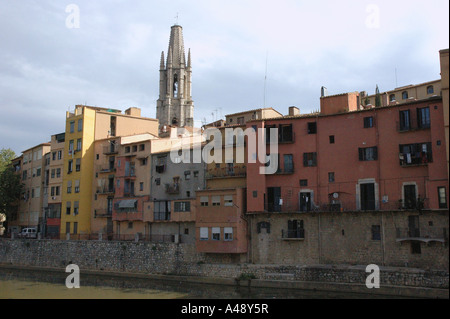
[[375, 153], [305, 159], [361, 154]]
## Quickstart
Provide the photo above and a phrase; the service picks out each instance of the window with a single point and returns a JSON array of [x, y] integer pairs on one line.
[[72, 127], [141, 147], [38, 171], [295, 229], [215, 200], [158, 181], [54, 156], [376, 232], [405, 121], [68, 208], [162, 210], [312, 128], [182, 206], [310, 159], [215, 233], [79, 144], [141, 186], [77, 186], [204, 200], [80, 125], [228, 233], [228, 200], [130, 225], [75, 208], [268, 130], [331, 177], [288, 163], [58, 172], [331, 139], [430, 89], [416, 248], [204, 233], [240, 120], [368, 122], [415, 154], [127, 149], [70, 168], [442, 196], [78, 164], [67, 227], [368, 154], [134, 148], [70, 147], [423, 117], [404, 95], [69, 187], [303, 182], [161, 164], [285, 133], [195, 173], [187, 175], [255, 194], [392, 98], [59, 155]]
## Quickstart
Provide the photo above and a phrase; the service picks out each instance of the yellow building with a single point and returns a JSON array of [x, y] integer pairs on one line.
[[83, 127]]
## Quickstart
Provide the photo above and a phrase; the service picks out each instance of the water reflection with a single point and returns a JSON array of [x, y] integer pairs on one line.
[[21, 284]]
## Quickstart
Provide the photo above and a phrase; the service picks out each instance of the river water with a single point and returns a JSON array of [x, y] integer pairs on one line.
[[27, 284]]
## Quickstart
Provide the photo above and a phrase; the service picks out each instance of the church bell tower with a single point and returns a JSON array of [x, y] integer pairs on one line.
[[175, 106]]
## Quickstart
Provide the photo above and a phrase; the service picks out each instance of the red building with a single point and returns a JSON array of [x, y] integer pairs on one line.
[[350, 159]]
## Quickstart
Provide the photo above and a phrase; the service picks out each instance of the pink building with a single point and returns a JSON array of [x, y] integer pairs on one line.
[[348, 159]]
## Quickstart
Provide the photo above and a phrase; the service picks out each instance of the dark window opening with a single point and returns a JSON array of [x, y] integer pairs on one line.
[[368, 122], [312, 128]]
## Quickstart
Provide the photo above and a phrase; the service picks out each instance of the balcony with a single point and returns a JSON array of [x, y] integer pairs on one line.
[[172, 189], [106, 169], [402, 127], [110, 150], [127, 216], [422, 234], [298, 234], [102, 213], [226, 172], [105, 190]]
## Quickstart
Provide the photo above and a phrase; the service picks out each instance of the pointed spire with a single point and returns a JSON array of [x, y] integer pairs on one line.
[[176, 46], [169, 58], [189, 58], [161, 66]]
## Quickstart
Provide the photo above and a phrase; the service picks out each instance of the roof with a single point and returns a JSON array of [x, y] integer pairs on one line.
[[287, 117], [255, 110]]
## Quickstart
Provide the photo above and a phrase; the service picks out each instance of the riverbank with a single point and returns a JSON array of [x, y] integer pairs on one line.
[[180, 263], [386, 291]]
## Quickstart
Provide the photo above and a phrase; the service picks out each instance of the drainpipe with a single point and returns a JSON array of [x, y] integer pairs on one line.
[[383, 238]]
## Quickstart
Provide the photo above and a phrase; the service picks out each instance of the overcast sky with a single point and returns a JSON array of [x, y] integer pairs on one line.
[[49, 62]]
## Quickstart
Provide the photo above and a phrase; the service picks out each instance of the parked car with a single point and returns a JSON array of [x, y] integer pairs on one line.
[[28, 233]]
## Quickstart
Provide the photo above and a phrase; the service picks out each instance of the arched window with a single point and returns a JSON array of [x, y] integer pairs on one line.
[[405, 95], [430, 89], [175, 86]]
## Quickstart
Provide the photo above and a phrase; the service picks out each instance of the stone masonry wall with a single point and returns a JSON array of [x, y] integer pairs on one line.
[[182, 259]]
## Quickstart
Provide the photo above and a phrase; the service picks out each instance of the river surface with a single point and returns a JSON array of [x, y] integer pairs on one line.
[[33, 284]]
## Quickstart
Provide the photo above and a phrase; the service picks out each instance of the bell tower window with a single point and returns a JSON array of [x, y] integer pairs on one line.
[[175, 86]]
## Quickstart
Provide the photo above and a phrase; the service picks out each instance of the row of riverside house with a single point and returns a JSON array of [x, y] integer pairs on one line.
[[363, 179]]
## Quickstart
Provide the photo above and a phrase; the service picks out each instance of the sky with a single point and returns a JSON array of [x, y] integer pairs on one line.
[[246, 54]]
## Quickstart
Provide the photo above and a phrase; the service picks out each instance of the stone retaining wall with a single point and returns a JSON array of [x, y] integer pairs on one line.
[[183, 260]]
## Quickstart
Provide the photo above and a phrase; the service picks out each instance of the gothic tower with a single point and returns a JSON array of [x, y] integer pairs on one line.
[[175, 106]]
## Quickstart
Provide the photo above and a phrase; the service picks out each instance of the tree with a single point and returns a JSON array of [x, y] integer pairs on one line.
[[10, 184], [377, 97], [6, 156]]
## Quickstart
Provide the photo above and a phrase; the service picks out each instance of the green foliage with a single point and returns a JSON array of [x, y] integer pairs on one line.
[[6, 156], [247, 276], [10, 184]]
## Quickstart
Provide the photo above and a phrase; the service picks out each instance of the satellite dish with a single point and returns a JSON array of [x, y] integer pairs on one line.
[[335, 195]]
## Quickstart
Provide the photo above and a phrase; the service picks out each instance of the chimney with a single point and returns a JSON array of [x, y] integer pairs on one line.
[[323, 91], [133, 111], [293, 110]]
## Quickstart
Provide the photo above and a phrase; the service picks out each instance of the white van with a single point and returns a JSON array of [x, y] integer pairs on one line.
[[28, 233]]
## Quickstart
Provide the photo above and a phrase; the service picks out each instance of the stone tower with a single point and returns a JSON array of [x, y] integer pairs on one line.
[[175, 106]]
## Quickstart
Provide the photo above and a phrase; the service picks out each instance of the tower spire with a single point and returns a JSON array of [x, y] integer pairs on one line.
[[161, 65]]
